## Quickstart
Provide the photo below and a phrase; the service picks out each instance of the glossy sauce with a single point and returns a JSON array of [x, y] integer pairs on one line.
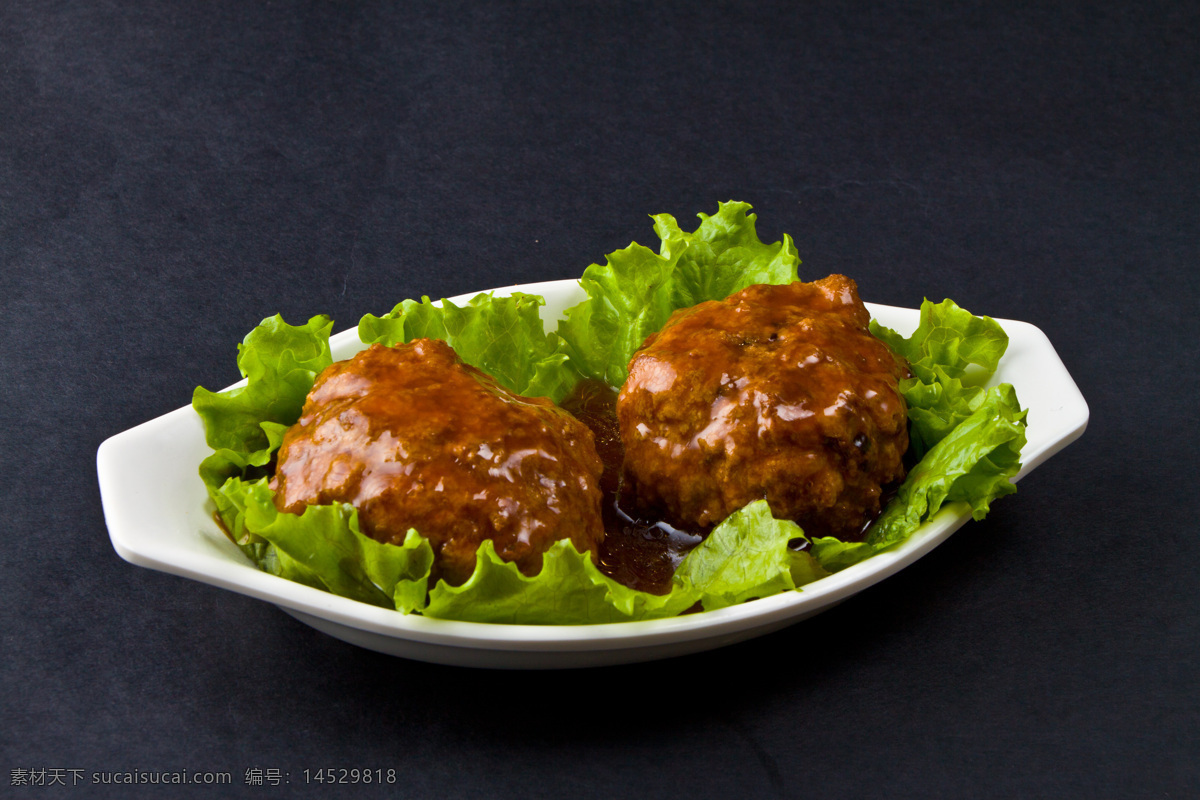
[[638, 550]]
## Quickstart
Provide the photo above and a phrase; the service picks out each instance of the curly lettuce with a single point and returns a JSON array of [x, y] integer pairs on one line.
[[948, 345]]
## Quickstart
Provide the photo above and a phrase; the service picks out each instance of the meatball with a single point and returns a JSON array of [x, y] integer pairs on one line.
[[776, 392], [415, 438]]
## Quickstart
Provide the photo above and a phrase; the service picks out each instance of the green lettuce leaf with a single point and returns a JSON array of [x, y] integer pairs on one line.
[[949, 344], [973, 463], [634, 293], [746, 556], [723, 256], [324, 548], [502, 336], [835, 555], [245, 425], [948, 337], [279, 362], [935, 409], [569, 590]]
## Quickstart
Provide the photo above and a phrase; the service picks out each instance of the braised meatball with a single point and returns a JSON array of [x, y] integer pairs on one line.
[[776, 392], [415, 438]]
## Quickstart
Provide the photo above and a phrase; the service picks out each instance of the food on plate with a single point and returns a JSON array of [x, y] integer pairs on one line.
[[303, 484], [776, 392], [414, 438]]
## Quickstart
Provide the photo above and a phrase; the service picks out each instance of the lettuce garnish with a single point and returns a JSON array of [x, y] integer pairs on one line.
[[972, 464], [279, 362], [323, 547], [634, 292], [244, 426], [968, 438], [948, 345]]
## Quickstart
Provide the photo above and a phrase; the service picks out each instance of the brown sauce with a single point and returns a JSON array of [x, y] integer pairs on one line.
[[638, 550]]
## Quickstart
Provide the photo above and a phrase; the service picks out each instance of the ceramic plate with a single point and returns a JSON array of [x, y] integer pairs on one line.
[[159, 516]]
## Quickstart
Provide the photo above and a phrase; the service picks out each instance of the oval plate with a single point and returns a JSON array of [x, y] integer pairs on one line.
[[159, 516]]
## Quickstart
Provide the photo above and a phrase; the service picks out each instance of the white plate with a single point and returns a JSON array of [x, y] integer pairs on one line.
[[159, 516]]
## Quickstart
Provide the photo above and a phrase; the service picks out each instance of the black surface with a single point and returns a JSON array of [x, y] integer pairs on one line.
[[170, 173]]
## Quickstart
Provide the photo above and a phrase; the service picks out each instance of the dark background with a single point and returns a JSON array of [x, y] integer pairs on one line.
[[171, 173]]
